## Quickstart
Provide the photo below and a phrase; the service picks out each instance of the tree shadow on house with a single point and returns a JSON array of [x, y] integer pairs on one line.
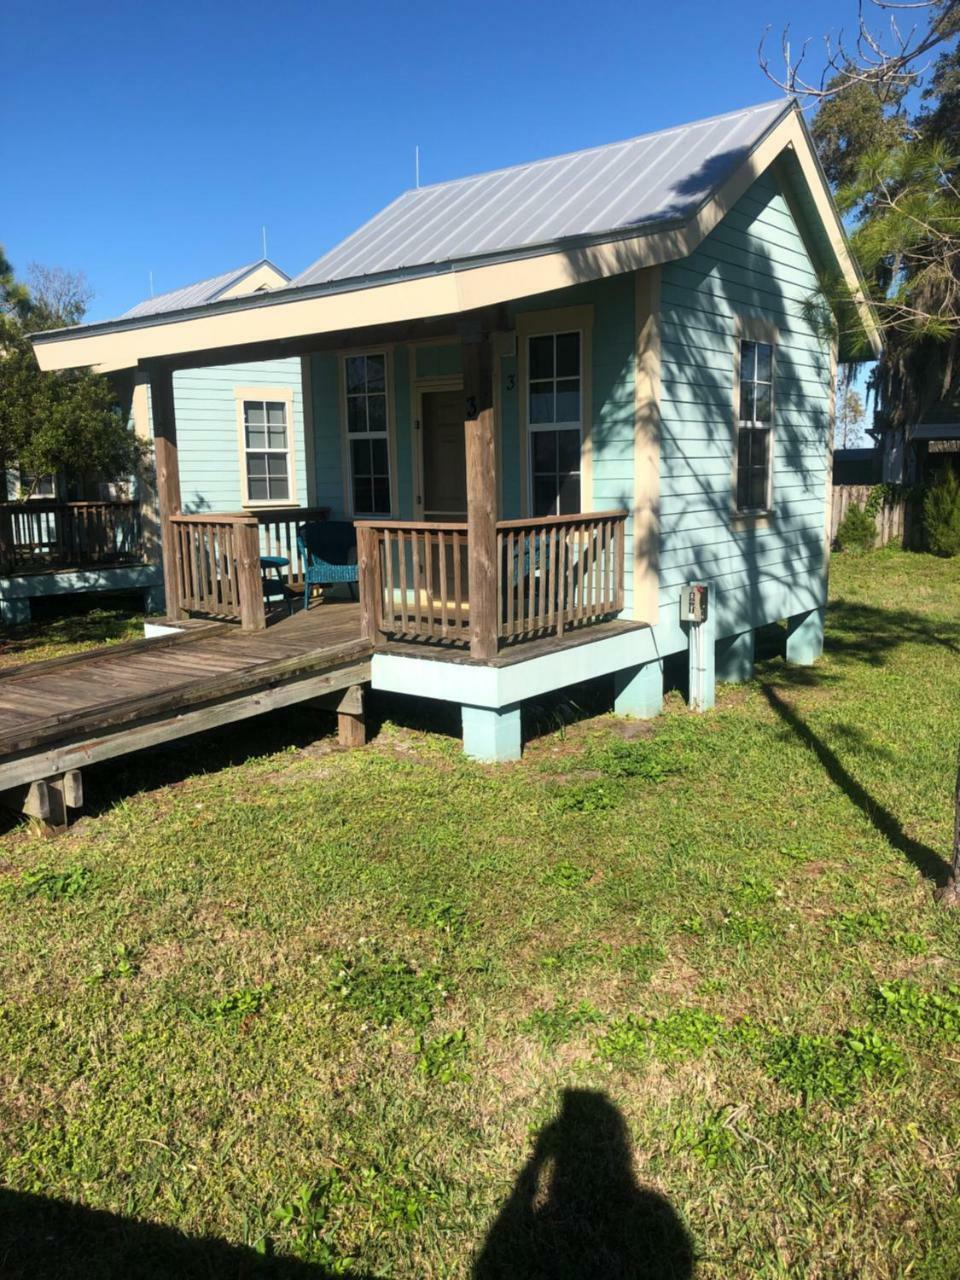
[[577, 1210], [46, 1239]]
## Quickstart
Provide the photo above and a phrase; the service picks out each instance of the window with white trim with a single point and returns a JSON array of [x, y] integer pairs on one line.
[[754, 425], [365, 380], [554, 422], [266, 450], [37, 486]]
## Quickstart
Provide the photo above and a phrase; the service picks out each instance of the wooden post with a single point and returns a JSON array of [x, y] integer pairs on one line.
[[6, 539], [368, 559], [253, 616], [168, 480], [481, 495], [351, 719]]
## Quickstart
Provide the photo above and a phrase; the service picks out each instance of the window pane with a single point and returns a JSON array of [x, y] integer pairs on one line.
[[763, 411], [356, 371], [376, 373], [760, 452], [544, 496], [746, 401], [377, 411], [569, 450], [541, 357], [253, 412], [568, 401], [764, 361], [541, 402], [569, 495], [363, 494], [276, 464], [256, 437], [360, 457], [758, 488], [276, 415], [748, 360], [379, 456], [356, 413], [568, 355], [276, 437], [257, 488], [279, 488], [381, 497], [544, 451], [256, 464]]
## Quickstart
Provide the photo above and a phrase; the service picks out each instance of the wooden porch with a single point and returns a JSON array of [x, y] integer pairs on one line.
[[58, 716]]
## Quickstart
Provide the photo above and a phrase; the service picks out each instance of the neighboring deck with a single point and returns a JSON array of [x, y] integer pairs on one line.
[[59, 715]]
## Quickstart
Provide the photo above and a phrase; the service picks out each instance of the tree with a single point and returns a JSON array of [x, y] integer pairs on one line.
[[849, 417], [54, 422], [897, 179]]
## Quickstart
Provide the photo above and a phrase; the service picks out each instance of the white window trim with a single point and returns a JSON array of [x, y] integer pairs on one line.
[[38, 497], [754, 329], [346, 436], [537, 324], [285, 395]]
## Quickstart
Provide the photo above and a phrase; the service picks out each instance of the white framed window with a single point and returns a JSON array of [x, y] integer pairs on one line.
[[368, 435], [754, 426], [267, 453], [555, 421], [38, 486]]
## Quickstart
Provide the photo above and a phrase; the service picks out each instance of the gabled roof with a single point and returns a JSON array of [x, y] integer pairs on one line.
[[204, 291], [476, 243], [619, 187]]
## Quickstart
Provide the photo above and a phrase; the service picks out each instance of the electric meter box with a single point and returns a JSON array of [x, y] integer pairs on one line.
[[693, 602]]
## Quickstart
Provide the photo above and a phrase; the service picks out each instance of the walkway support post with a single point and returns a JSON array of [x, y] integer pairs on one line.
[[168, 479]]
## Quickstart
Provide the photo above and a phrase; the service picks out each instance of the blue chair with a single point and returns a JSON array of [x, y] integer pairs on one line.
[[328, 549]]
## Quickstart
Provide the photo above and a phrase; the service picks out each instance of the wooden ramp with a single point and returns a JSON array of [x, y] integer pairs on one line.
[[59, 715]]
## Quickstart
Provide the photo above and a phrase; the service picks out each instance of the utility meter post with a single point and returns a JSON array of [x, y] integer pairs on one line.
[[695, 613]]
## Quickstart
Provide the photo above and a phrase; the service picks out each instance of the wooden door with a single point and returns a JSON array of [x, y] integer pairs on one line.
[[444, 456]]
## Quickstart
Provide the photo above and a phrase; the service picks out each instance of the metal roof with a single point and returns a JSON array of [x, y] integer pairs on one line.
[[656, 178], [195, 295]]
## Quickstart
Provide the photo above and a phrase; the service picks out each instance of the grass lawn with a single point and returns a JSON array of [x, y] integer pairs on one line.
[[658, 1001], [65, 626]]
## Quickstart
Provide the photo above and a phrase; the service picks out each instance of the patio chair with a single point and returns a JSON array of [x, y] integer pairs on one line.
[[328, 549]]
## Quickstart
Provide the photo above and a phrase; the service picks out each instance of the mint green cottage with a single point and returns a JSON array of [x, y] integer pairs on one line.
[[551, 398]]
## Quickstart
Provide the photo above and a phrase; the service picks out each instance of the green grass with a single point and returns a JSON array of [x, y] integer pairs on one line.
[[66, 631], [390, 1013]]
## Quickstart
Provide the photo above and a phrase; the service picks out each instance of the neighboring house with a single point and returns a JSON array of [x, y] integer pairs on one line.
[[551, 397], [83, 536], [914, 455]]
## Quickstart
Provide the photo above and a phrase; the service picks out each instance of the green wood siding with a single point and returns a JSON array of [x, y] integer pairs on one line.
[[207, 436]]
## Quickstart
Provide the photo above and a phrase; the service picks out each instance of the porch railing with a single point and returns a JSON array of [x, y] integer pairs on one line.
[[553, 574], [218, 572], [39, 535]]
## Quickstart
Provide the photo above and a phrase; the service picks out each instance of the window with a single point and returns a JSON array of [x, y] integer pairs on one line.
[[754, 426], [366, 392], [266, 450], [37, 486], [554, 422]]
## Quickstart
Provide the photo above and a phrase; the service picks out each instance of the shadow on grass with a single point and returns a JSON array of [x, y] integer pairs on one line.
[[44, 1239], [577, 1210]]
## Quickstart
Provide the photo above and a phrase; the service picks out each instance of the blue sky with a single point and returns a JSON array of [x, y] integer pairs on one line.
[[160, 137]]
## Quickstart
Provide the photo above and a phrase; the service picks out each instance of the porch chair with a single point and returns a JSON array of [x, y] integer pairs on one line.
[[328, 549]]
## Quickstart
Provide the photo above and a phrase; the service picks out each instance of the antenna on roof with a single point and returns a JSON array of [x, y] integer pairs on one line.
[[151, 284], [416, 164], [263, 232]]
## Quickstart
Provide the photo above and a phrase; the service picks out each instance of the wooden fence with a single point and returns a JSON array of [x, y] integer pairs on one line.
[[38, 536], [553, 574], [892, 518]]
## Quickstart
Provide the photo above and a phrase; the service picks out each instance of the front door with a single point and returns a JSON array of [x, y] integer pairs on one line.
[[444, 455]]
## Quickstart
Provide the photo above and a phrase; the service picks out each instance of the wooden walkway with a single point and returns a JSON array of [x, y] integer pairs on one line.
[[57, 716]]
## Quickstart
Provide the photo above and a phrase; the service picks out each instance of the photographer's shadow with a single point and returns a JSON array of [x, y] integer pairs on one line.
[[577, 1211]]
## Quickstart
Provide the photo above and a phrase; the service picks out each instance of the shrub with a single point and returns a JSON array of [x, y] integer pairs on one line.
[[941, 515], [857, 531]]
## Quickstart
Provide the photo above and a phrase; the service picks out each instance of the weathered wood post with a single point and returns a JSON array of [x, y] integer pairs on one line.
[[368, 560], [253, 616], [481, 493], [168, 480]]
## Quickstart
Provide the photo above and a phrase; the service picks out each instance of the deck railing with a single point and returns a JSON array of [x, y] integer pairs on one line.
[[553, 574], [218, 560], [39, 536]]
